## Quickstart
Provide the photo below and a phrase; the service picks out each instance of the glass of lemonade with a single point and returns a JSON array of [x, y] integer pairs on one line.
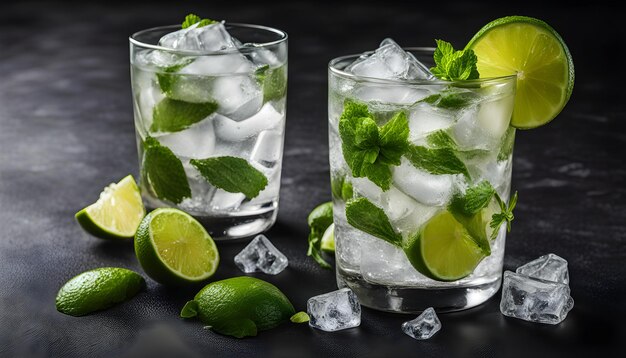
[[210, 105], [418, 167]]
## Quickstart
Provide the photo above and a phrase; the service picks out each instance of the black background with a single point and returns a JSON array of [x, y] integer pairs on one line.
[[66, 131]]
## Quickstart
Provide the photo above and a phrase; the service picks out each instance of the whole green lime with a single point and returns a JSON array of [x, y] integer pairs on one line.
[[98, 289], [240, 306]]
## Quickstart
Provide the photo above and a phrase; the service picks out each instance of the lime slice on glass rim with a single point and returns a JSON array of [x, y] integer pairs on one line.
[[444, 249], [535, 52], [173, 248], [116, 214]]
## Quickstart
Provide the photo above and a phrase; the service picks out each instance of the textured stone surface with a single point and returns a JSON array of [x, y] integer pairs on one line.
[[66, 131]]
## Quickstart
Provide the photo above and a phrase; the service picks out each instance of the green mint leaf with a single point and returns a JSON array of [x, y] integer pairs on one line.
[[232, 174], [475, 199], [341, 188], [274, 82], [166, 76], [454, 65], [368, 149], [441, 139], [369, 218], [165, 172], [171, 115], [506, 149], [192, 19], [436, 161], [450, 99], [300, 317], [319, 220], [189, 310], [505, 215]]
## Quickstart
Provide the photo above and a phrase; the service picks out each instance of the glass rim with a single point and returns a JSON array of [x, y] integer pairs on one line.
[[332, 68], [283, 37]]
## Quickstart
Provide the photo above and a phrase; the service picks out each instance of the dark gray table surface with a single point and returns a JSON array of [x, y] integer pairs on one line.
[[66, 131]]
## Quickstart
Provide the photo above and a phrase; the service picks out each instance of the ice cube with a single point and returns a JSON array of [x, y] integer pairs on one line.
[[219, 64], [494, 116], [225, 201], [386, 264], [261, 255], [237, 97], [482, 126], [197, 141], [548, 267], [334, 311], [390, 61], [267, 148], [272, 189], [236, 131], [424, 119], [367, 189], [428, 189], [424, 326], [147, 98], [201, 191], [208, 38], [348, 242], [390, 94], [397, 205], [535, 300]]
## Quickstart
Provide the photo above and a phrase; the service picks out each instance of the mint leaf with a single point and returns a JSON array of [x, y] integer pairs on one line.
[[441, 139], [450, 99], [274, 82], [171, 115], [341, 188], [235, 175], [261, 73], [164, 172], [300, 317], [505, 215], [507, 145], [368, 149], [436, 161], [454, 65], [167, 77], [475, 199], [319, 220], [189, 310], [369, 218], [192, 19]]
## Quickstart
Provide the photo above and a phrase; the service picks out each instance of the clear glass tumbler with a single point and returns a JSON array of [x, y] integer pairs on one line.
[[210, 126], [405, 245]]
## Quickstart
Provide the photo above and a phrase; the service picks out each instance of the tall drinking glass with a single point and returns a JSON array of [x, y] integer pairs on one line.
[[210, 124], [411, 230]]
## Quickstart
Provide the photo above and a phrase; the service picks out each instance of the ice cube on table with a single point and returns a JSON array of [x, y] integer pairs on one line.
[[236, 131], [267, 148], [197, 141], [428, 189], [548, 267], [334, 311], [424, 326], [261, 255], [389, 61], [390, 94], [535, 300], [225, 201], [213, 37], [425, 119]]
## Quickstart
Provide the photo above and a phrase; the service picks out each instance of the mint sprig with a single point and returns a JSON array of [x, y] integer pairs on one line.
[[454, 65], [319, 220], [165, 172], [171, 115], [193, 19], [369, 149], [371, 219], [505, 215], [232, 174]]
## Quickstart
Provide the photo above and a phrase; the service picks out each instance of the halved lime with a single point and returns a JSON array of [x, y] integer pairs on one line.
[[328, 240], [535, 52], [444, 250], [116, 214], [174, 249]]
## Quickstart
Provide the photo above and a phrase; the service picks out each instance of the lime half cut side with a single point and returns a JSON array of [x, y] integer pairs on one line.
[[535, 52], [116, 214], [174, 248], [444, 250]]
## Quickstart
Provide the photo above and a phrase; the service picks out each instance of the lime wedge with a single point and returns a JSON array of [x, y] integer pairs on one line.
[[535, 52], [116, 214], [444, 250], [174, 249], [328, 240]]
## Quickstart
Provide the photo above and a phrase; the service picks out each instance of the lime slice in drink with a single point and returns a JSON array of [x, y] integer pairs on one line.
[[116, 214], [98, 289], [240, 306], [174, 249], [328, 240], [444, 250], [535, 52]]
